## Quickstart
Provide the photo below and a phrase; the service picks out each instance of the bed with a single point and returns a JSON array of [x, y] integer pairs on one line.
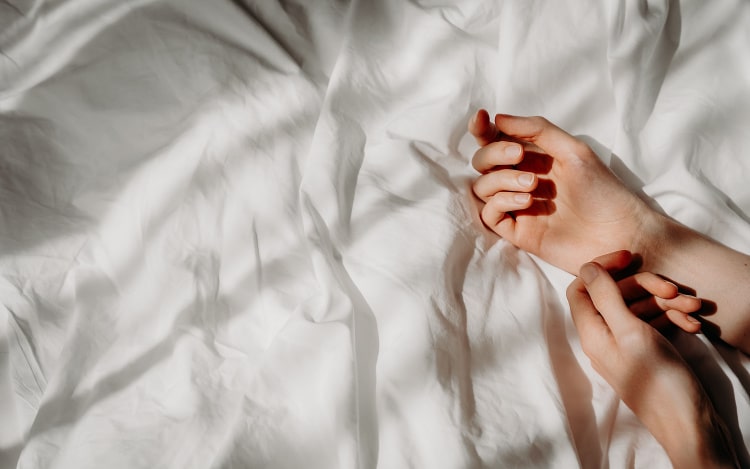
[[240, 234]]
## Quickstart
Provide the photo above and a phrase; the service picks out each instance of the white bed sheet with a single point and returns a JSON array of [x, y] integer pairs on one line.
[[240, 234]]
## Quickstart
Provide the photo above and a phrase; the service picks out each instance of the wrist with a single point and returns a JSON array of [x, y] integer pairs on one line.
[[651, 240], [702, 267]]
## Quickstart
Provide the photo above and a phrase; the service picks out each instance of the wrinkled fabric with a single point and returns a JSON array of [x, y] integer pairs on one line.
[[241, 233]]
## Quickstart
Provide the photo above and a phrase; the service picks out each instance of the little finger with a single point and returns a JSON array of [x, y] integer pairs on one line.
[[501, 203]]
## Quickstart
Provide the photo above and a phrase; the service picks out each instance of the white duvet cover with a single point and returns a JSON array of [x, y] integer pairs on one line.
[[240, 234]]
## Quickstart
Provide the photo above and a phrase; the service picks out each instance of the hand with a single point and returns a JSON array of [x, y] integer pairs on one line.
[[650, 297], [571, 208], [549, 194], [647, 373]]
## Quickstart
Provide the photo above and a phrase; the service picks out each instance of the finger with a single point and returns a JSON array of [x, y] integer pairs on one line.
[[671, 319], [542, 133], [509, 201], [615, 261], [646, 309], [481, 128], [649, 307], [684, 321], [497, 154], [499, 204], [607, 298], [503, 180], [682, 302], [645, 284], [589, 323], [661, 323]]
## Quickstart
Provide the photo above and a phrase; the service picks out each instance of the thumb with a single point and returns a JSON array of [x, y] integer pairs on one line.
[[542, 133], [615, 261], [607, 298]]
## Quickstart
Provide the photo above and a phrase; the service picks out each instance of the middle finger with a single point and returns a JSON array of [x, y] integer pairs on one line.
[[495, 154]]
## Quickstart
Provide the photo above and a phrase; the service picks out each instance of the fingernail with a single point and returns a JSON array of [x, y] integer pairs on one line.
[[589, 273], [512, 151], [526, 179], [521, 198], [692, 319]]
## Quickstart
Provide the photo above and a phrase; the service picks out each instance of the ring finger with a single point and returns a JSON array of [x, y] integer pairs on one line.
[[504, 180]]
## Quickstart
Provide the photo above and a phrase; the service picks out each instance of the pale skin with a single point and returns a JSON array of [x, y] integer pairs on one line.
[[548, 193], [645, 370], [650, 297], [574, 209]]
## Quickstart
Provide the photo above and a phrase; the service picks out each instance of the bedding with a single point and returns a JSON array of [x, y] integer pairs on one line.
[[240, 234]]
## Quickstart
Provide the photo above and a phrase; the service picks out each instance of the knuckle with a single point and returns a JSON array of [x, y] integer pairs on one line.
[[495, 152], [483, 216], [498, 201], [487, 186], [475, 160], [491, 214], [476, 188], [539, 121], [487, 210], [570, 292], [539, 124]]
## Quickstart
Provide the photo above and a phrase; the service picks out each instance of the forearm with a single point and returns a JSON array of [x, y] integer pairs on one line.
[[674, 407], [699, 439], [647, 373], [719, 275]]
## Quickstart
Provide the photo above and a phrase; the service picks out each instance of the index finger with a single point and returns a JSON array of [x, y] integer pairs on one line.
[[541, 132], [483, 130], [607, 298], [586, 318], [496, 154]]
